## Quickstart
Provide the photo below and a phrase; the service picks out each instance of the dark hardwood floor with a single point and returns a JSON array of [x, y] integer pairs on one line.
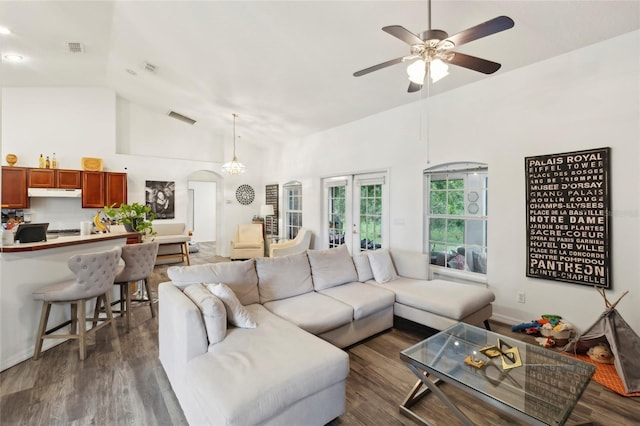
[[122, 382]]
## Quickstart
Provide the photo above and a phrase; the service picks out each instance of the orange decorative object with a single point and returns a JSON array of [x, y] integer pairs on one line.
[[92, 164], [12, 159]]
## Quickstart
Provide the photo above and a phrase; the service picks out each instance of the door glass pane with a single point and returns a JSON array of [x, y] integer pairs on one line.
[[370, 217], [336, 215]]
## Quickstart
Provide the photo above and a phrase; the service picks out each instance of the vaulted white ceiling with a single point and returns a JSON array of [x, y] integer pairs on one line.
[[284, 67]]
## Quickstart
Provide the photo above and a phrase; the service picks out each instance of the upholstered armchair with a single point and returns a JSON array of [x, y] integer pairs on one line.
[[299, 244], [248, 241]]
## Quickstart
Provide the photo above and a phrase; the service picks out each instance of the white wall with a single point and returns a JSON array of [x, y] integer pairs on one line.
[[204, 210], [585, 99], [143, 132]]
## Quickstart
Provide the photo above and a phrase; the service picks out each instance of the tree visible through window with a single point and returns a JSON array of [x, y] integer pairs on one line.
[[456, 216], [370, 217]]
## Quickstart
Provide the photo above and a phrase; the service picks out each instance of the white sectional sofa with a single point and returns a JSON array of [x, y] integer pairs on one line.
[[288, 369]]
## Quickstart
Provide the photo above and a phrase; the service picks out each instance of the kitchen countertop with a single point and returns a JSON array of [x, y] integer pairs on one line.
[[64, 241]]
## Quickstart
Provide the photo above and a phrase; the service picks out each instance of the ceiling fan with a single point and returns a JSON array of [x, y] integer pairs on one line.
[[433, 50]]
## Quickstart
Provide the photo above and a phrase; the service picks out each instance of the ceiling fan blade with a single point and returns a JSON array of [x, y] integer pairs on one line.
[[473, 63], [492, 26], [377, 67], [414, 87], [403, 34]]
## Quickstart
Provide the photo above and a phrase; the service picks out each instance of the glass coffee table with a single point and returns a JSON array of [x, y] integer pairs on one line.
[[541, 391]]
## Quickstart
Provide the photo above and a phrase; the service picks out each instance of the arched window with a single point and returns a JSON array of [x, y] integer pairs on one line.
[[456, 212]]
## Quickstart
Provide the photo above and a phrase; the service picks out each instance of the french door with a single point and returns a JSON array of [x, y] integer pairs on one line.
[[357, 211]]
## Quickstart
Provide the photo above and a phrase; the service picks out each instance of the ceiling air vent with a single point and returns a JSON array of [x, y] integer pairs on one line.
[[150, 68], [75, 47], [181, 117]]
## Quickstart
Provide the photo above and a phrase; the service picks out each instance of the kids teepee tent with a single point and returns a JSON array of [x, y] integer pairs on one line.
[[611, 328]]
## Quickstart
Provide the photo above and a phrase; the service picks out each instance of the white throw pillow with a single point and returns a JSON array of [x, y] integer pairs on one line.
[[361, 260], [331, 267], [382, 266], [214, 313], [236, 313]]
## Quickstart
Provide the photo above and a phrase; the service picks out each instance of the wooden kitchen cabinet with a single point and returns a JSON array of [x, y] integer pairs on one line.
[[93, 189], [41, 178], [116, 189], [68, 179], [14, 188], [53, 178], [101, 189]]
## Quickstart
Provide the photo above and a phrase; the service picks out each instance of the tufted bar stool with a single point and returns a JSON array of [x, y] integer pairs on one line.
[[139, 260], [95, 273]]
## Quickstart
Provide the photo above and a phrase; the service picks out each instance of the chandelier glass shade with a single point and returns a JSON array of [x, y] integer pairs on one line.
[[234, 167]]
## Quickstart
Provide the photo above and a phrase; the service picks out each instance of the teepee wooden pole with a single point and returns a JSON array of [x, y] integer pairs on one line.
[[604, 296], [620, 298]]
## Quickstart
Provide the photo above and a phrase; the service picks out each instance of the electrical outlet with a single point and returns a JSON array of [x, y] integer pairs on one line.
[[521, 297]]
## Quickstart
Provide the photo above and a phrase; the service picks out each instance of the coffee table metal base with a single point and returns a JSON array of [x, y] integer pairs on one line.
[[423, 386], [427, 384]]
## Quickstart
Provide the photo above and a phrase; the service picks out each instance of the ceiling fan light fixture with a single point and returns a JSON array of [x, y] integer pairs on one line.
[[438, 70], [234, 167], [417, 71]]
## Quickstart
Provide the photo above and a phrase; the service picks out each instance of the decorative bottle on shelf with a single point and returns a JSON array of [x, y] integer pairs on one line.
[[54, 163], [47, 163], [41, 162]]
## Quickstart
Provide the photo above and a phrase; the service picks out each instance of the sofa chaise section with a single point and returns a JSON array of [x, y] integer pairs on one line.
[[435, 303], [275, 373]]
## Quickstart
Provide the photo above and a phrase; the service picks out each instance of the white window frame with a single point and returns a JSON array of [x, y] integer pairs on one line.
[[290, 229], [464, 169]]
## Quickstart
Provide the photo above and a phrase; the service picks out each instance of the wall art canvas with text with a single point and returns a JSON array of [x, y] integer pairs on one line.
[[568, 220]]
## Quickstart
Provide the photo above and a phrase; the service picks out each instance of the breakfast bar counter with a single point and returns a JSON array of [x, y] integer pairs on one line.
[[66, 241], [28, 266]]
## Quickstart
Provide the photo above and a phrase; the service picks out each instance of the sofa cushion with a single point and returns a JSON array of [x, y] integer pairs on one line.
[[282, 277], [257, 373], [236, 313], [331, 267], [363, 267], [213, 311], [241, 277], [411, 264], [446, 298], [382, 266], [366, 299], [304, 311]]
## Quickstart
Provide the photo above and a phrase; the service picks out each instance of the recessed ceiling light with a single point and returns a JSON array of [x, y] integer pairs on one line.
[[4, 31], [13, 57]]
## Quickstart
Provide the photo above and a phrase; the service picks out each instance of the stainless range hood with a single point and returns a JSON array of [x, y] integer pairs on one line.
[[54, 192]]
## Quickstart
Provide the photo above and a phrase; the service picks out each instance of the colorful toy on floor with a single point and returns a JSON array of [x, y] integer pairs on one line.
[[551, 327]]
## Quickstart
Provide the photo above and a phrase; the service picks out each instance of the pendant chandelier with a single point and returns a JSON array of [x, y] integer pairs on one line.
[[234, 167]]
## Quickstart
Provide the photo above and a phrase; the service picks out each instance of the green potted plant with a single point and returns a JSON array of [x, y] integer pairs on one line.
[[135, 217]]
